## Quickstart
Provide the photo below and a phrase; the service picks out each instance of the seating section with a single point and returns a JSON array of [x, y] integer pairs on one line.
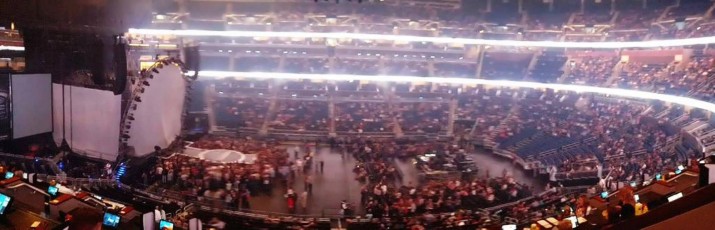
[[363, 117], [506, 66], [423, 117], [301, 116], [548, 66]]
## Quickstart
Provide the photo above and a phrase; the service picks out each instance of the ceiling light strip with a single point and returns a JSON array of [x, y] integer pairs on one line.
[[12, 48], [446, 40], [690, 102]]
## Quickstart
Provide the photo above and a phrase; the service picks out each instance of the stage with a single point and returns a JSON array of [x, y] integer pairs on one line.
[[219, 155]]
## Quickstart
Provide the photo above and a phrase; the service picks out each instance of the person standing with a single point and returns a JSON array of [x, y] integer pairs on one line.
[[322, 163], [345, 208], [291, 200], [303, 201], [309, 183], [243, 201]]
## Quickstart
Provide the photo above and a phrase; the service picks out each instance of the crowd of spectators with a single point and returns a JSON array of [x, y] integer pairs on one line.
[[423, 117], [675, 78], [240, 112], [436, 197], [357, 66], [301, 65], [301, 116], [485, 107], [591, 70], [223, 183], [363, 117]]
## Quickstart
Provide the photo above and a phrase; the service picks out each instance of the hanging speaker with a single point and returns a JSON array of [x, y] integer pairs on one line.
[[120, 68], [191, 59]]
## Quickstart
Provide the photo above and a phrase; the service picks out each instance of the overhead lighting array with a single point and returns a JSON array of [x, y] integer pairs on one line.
[[446, 40], [627, 93]]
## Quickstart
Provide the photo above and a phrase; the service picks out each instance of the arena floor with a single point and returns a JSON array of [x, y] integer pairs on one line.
[[338, 183]]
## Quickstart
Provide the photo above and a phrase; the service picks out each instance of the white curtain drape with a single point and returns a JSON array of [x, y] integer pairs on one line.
[[158, 115], [91, 120]]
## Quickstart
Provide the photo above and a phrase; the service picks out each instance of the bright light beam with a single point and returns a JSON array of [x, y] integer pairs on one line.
[[12, 48], [690, 102], [408, 38]]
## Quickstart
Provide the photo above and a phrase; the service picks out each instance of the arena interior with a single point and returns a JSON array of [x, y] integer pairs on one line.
[[357, 114]]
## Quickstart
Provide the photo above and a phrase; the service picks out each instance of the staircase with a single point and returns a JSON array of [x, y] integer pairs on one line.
[[490, 140], [272, 106], [331, 117], [615, 75], [662, 113], [524, 142], [549, 66], [396, 128], [210, 90], [452, 116]]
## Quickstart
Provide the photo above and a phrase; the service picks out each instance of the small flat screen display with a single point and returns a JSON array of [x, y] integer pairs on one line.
[[110, 220]]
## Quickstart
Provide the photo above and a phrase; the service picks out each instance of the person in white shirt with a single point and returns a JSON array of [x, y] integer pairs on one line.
[[159, 214], [216, 223]]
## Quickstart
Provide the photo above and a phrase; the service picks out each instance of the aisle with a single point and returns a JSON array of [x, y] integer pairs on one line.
[[338, 183]]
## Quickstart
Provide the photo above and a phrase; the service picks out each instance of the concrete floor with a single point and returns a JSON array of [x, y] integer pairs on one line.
[[338, 183]]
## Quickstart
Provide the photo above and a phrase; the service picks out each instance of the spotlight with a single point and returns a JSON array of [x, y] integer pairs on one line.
[[137, 99], [141, 90], [159, 66], [145, 83], [131, 118], [128, 126], [155, 70], [134, 107], [165, 62], [151, 76], [126, 136]]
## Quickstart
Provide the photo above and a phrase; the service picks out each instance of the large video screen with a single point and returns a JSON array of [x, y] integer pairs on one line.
[[31, 104], [5, 123]]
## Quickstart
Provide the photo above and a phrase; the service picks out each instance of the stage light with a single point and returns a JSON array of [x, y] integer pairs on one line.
[[159, 66], [130, 117], [155, 70], [145, 83], [126, 136], [137, 99], [151, 76]]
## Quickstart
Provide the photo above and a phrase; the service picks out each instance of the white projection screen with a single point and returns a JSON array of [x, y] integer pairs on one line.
[[31, 104], [91, 120], [157, 119]]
